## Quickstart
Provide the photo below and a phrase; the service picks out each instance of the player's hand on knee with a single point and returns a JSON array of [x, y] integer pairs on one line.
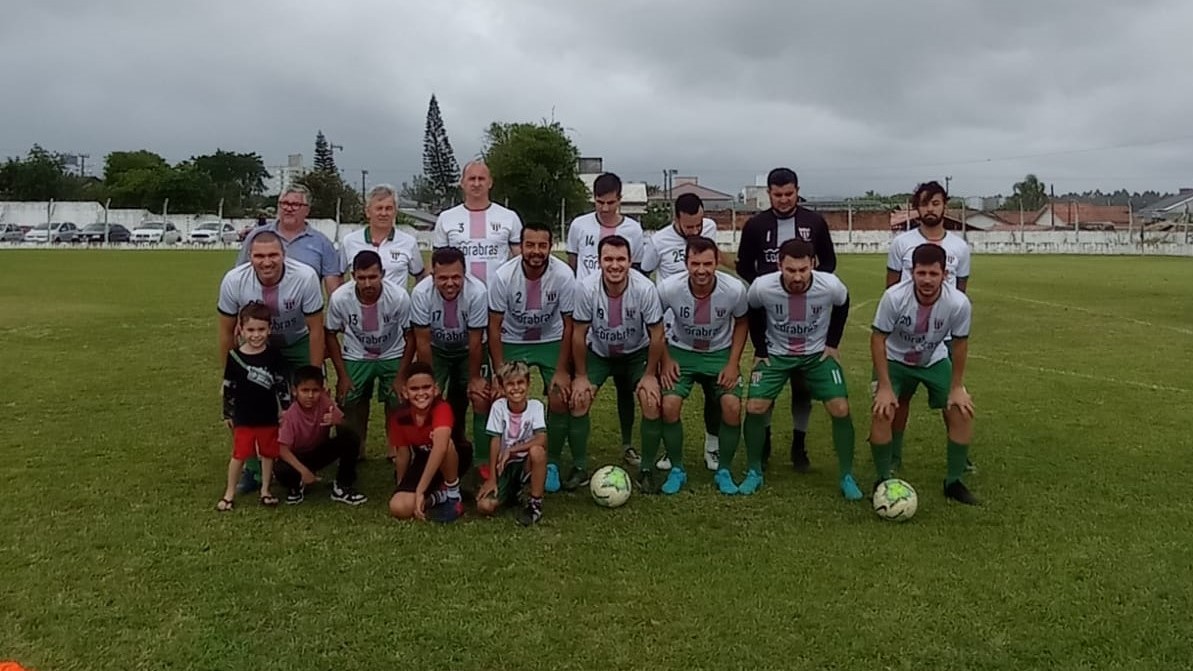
[[669, 374], [959, 400], [648, 389], [885, 403], [729, 378]]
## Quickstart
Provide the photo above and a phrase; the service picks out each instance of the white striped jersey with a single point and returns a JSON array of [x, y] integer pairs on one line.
[[450, 321], [484, 236], [665, 250], [532, 311], [371, 332], [618, 325], [916, 333], [898, 258], [585, 234], [295, 297], [797, 324], [704, 324], [515, 428], [399, 253]]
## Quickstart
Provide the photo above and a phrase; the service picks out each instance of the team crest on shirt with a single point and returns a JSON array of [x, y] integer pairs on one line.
[[805, 233], [495, 226], [629, 313], [551, 296], [720, 313], [939, 324], [290, 303], [816, 310], [395, 255]]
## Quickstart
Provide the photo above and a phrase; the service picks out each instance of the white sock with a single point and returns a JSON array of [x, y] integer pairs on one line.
[[453, 489], [712, 443]]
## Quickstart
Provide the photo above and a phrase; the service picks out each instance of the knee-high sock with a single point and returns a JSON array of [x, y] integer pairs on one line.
[[896, 448], [558, 424], [843, 438], [729, 436], [882, 459], [578, 439], [673, 442], [755, 433], [652, 435], [480, 438], [958, 454]]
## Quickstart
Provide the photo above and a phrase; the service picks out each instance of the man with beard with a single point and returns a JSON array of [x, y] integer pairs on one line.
[[761, 238], [805, 313], [373, 314], [930, 200], [618, 332], [664, 254], [530, 319], [908, 348], [487, 233]]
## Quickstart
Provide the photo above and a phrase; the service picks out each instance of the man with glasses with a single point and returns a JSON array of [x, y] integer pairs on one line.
[[303, 243]]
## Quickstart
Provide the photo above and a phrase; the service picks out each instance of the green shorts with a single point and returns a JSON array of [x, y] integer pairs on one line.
[[630, 367], [825, 379], [364, 374], [451, 369], [298, 354], [702, 368], [544, 355], [938, 378]]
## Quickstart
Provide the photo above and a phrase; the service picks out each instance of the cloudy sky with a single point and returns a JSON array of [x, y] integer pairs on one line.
[[853, 95]]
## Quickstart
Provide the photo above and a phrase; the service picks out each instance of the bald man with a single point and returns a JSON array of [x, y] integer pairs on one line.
[[487, 233]]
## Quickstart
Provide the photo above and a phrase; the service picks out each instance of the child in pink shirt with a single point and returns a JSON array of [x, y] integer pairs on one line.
[[306, 443]]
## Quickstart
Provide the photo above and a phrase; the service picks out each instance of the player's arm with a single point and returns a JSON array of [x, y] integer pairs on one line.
[[654, 356], [741, 329], [962, 284], [562, 378], [227, 336], [316, 337], [892, 277], [826, 254], [476, 352], [422, 343], [960, 357], [228, 389], [579, 344], [572, 261], [836, 327], [441, 437], [332, 282], [336, 354], [495, 356], [407, 355]]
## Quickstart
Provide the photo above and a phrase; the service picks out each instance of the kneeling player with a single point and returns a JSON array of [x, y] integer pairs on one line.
[[518, 447], [806, 312], [427, 464], [913, 320]]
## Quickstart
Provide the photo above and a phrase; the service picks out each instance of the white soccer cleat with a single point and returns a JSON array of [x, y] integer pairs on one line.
[[712, 452]]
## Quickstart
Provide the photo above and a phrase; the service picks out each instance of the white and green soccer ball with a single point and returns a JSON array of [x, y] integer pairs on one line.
[[895, 500], [610, 486]]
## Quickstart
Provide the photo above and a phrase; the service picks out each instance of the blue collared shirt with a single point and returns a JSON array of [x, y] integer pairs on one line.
[[310, 247]]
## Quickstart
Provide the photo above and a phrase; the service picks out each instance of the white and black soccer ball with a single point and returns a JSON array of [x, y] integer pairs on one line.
[[610, 486], [895, 500]]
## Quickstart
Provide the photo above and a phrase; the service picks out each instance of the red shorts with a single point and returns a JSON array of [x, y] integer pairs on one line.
[[263, 438]]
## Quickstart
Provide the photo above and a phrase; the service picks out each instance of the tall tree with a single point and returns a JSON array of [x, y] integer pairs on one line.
[[439, 160], [326, 190], [1029, 194], [325, 160], [40, 176], [535, 167]]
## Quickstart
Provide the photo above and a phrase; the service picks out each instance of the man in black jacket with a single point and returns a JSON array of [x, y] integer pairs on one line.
[[758, 254]]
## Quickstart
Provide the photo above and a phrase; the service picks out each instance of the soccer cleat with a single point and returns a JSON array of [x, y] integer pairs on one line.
[[724, 482], [552, 485], [849, 489], [799, 453], [646, 483], [446, 512], [531, 514], [248, 483], [957, 491], [295, 495], [970, 467], [631, 456], [577, 478], [751, 484], [347, 495], [663, 464], [676, 479], [712, 449]]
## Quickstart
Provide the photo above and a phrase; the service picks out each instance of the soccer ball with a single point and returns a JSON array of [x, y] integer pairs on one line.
[[895, 500], [610, 486]]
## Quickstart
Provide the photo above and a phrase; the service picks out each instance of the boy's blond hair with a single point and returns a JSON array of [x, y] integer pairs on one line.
[[513, 370]]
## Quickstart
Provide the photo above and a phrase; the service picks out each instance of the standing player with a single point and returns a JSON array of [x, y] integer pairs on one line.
[[303, 243], [399, 251], [619, 331], [373, 314], [530, 319], [486, 232], [913, 320], [584, 234], [805, 312], [663, 254], [450, 315], [930, 200], [426, 462], [758, 254], [705, 339]]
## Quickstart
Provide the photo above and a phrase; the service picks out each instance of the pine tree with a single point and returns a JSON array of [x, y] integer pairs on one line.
[[439, 160], [325, 160]]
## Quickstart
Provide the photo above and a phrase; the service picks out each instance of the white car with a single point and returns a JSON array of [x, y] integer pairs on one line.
[[160, 232], [209, 232], [58, 231]]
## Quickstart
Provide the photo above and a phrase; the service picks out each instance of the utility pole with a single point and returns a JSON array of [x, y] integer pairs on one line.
[[947, 180], [363, 173], [83, 164]]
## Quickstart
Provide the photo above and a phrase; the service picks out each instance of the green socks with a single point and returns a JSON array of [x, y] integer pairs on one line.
[[578, 438], [755, 432], [652, 434], [480, 438], [896, 449], [727, 438], [958, 455], [558, 424], [882, 459], [673, 442], [843, 440]]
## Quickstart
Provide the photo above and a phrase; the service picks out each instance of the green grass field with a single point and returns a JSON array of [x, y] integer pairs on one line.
[[112, 557]]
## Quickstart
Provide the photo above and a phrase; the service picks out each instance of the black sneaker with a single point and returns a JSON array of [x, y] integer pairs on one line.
[[799, 452], [295, 495], [577, 478], [957, 491], [646, 483], [347, 495], [531, 514]]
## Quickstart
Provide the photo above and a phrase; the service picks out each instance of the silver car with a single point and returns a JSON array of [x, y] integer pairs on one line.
[[209, 232]]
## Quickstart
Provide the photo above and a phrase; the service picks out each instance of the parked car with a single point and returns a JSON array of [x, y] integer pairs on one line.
[[96, 232], [161, 232], [11, 233], [209, 232], [55, 231]]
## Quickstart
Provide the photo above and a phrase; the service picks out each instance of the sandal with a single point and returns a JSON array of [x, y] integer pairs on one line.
[[224, 505], [269, 500]]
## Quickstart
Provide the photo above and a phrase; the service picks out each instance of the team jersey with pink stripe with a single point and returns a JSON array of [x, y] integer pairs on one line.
[[371, 332], [665, 250], [797, 324], [484, 236], [584, 237], [450, 321], [704, 324], [898, 258], [532, 310], [515, 428], [290, 301], [916, 333], [618, 325]]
